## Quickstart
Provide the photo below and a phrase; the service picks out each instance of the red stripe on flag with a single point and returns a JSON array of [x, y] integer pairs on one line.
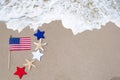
[[19, 49]]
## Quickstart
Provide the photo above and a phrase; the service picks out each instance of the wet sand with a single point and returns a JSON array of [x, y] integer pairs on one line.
[[91, 55]]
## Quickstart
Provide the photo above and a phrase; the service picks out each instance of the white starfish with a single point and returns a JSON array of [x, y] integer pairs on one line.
[[37, 55], [29, 64], [40, 45]]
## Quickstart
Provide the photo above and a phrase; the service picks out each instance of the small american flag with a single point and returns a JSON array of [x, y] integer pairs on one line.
[[22, 43]]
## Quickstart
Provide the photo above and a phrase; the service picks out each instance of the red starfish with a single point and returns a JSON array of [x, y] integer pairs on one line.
[[20, 72]]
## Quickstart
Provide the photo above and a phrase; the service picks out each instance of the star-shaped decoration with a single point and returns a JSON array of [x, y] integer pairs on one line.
[[20, 72], [40, 45], [29, 64], [39, 34], [37, 55]]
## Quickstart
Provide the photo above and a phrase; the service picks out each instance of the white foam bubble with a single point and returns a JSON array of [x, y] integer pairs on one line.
[[78, 15]]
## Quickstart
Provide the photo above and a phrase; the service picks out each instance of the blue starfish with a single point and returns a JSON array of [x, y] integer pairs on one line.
[[39, 34]]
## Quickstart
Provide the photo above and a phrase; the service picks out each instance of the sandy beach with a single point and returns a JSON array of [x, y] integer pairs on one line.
[[91, 55]]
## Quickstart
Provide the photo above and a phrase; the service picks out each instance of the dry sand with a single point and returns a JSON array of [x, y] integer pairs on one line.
[[91, 55]]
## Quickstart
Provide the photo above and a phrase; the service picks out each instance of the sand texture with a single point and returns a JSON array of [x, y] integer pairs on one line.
[[91, 55]]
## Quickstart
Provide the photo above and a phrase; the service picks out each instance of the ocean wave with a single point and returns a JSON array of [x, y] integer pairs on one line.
[[77, 15]]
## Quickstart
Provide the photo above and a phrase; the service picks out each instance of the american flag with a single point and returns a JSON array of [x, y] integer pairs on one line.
[[22, 43]]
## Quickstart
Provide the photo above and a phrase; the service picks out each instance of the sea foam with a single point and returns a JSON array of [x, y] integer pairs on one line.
[[77, 15]]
